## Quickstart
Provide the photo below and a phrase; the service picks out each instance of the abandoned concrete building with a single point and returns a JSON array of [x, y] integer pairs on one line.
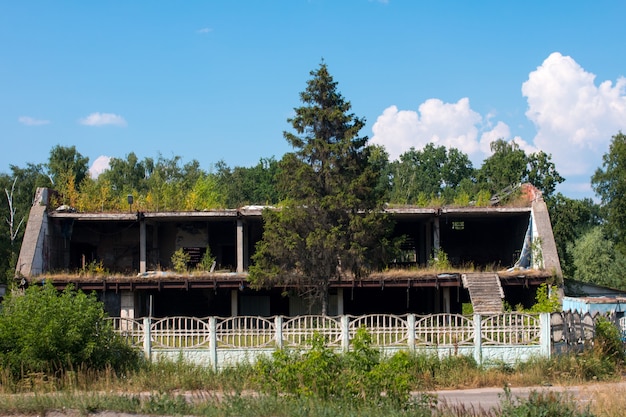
[[496, 254]]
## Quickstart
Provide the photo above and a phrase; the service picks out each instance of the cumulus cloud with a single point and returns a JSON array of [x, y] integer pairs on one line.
[[204, 31], [454, 125], [31, 121], [575, 119], [100, 165], [103, 119]]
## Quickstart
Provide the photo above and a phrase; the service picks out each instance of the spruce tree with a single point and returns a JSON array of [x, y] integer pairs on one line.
[[331, 226]]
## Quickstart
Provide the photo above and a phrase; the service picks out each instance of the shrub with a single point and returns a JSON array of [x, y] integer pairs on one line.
[[180, 261], [542, 404], [440, 261], [43, 330], [313, 373], [608, 342], [206, 263], [546, 299], [358, 376]]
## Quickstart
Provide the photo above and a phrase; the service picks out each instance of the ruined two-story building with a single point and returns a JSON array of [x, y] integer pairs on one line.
[[496, 254]]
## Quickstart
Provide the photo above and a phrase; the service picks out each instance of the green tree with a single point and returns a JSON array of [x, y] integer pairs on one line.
[[249, 185], [570, 219], [542, 173], [128, 175], [509, 165], [433, 172], [596, 260], [506, 166], [331, 223], [609, 183], [64, 162], [44, 330], [204, 194]]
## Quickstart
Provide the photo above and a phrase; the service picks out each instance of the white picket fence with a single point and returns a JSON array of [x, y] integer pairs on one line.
[[223, 341]]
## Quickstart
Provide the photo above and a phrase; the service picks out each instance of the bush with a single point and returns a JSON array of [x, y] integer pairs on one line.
[[43, 330], [540, 404], [180, 261], [359, 376], [608, 342]]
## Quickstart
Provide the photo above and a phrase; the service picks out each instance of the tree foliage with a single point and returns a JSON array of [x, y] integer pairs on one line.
[[428, 173], [66, 161], [509, 165], [571, 219], [596, 261], [249, 185], [43, 330], [331, 223], [609, 183]]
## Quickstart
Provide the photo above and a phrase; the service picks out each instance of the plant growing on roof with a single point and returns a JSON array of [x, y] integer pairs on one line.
[[206, 263], [180, 260]]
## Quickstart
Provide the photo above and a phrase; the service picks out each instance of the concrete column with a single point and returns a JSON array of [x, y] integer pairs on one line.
[[213, 341], [446, 299], [234, 306], [278, 326], [478, 342], [127, 304], [345, 333], [340, 301], [427, 239], [545, 339], [240, 246], [142, 246], [147, 338], [436, 241], [411, 330]]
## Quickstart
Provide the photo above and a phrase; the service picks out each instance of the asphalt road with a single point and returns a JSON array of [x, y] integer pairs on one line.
[[489, 398]]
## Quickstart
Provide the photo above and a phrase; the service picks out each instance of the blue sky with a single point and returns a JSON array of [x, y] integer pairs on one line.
[[212, 81]]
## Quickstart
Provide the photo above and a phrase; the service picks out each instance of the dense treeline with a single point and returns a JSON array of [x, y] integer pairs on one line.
[[428, 177], [337, 170], [432, 176]]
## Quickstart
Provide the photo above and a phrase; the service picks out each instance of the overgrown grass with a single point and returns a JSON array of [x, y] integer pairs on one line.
[[426, 371], [319, 382], [549, 404]]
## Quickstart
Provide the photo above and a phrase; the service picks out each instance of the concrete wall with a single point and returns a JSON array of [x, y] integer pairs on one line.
[[34, 253], [225, 358], [541, 220], [481, 345]]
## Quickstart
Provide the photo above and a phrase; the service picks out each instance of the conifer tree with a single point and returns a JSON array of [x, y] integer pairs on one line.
[[331, 225]]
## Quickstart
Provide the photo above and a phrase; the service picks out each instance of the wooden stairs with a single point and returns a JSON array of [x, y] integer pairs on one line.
[[485, 292]]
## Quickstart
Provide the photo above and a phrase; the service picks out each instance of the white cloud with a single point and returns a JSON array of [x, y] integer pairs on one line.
[[453, 125], [100, 165], [575, 119], [204, 31], [31, 121], [103, 119]]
